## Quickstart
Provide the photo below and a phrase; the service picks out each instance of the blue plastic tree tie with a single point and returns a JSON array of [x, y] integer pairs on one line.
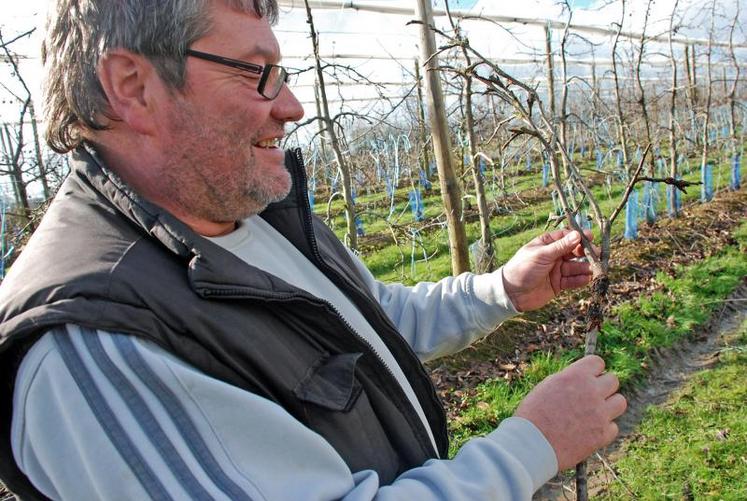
[[312, 196], [406, 142], [673, 210], [482, 166], [473, 247], [651, 213], [424, 180], [736, 165], [389, 187], [706, 177], [631, 216], [650, 194], [660, 167], [670, 208], [678, 198], [582, 220], [545, 175], [416, 204], [619, 159], [556, 203], [359, 227], [599, 158]]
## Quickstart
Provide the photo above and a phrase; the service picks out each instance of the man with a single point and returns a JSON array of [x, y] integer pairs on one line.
[[180, 326]]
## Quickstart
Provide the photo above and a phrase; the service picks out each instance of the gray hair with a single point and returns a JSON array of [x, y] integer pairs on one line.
[[79, 32]]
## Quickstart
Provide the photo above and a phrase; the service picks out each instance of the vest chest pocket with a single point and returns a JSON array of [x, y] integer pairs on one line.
[[331, 383]]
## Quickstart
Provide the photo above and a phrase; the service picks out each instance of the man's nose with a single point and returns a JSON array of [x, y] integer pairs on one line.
[[287, 107]]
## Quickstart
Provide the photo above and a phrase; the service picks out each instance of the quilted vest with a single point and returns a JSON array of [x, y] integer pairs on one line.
[[105, 258]]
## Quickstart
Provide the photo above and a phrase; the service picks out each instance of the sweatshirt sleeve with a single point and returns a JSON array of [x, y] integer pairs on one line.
[[441, 318], [107, 416]]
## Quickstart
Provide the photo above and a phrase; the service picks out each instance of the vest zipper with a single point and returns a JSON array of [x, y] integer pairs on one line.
[[300, 185]]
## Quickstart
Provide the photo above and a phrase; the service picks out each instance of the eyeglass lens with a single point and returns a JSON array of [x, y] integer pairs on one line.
[[276, 77]]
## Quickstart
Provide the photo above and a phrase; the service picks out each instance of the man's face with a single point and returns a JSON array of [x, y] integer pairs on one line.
[[220, 141]]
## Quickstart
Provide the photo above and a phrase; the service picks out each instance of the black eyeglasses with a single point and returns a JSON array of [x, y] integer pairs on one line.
[[272, 76]]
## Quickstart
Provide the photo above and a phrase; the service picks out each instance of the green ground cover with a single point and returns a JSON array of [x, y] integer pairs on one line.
[[512, 229], [695, 446], [392, 263], [632, 330]]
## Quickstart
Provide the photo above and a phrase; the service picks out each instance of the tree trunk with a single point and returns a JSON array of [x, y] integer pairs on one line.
[[485, 256], [13, 154], [351, 235], [37, 150], [322, 135], [673, 209], [732, 94], [621, 126], [424, 156], [709, 90]]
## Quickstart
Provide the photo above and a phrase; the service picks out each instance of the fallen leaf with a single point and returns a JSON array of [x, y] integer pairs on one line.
[[722, 434]]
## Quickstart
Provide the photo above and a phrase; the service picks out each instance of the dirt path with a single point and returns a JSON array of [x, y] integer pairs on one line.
[[670, 369]]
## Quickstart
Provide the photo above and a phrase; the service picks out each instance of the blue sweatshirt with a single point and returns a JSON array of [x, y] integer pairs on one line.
[[101, 415]]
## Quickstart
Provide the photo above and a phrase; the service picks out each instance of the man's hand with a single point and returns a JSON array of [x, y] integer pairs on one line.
[[575, 408], [544, 267]]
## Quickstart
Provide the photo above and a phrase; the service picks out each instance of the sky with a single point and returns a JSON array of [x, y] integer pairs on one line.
[[355, 32], [348, 32]]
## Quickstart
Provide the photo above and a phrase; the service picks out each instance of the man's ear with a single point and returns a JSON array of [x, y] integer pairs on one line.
[[131, 85]]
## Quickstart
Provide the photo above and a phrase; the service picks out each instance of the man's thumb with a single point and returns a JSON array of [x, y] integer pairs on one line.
[[563, 246]]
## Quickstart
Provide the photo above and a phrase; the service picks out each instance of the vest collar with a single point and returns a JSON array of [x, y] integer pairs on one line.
[[209, 264]]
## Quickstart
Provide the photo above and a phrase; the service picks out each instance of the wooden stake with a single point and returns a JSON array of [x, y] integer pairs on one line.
[[450, 192]]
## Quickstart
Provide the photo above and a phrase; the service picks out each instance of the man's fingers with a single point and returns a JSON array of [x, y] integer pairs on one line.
[[610, 432], [555, 248], [557, 235], [608, 384], [574, 274], [570, 268], [616, 405], [574, 282], [552, 236], [592, 363], [579, 250]]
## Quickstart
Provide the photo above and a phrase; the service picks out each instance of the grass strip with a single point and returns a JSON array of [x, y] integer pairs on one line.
[[695, 446]]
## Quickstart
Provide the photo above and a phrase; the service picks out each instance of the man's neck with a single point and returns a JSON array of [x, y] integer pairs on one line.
[[139, 181]]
